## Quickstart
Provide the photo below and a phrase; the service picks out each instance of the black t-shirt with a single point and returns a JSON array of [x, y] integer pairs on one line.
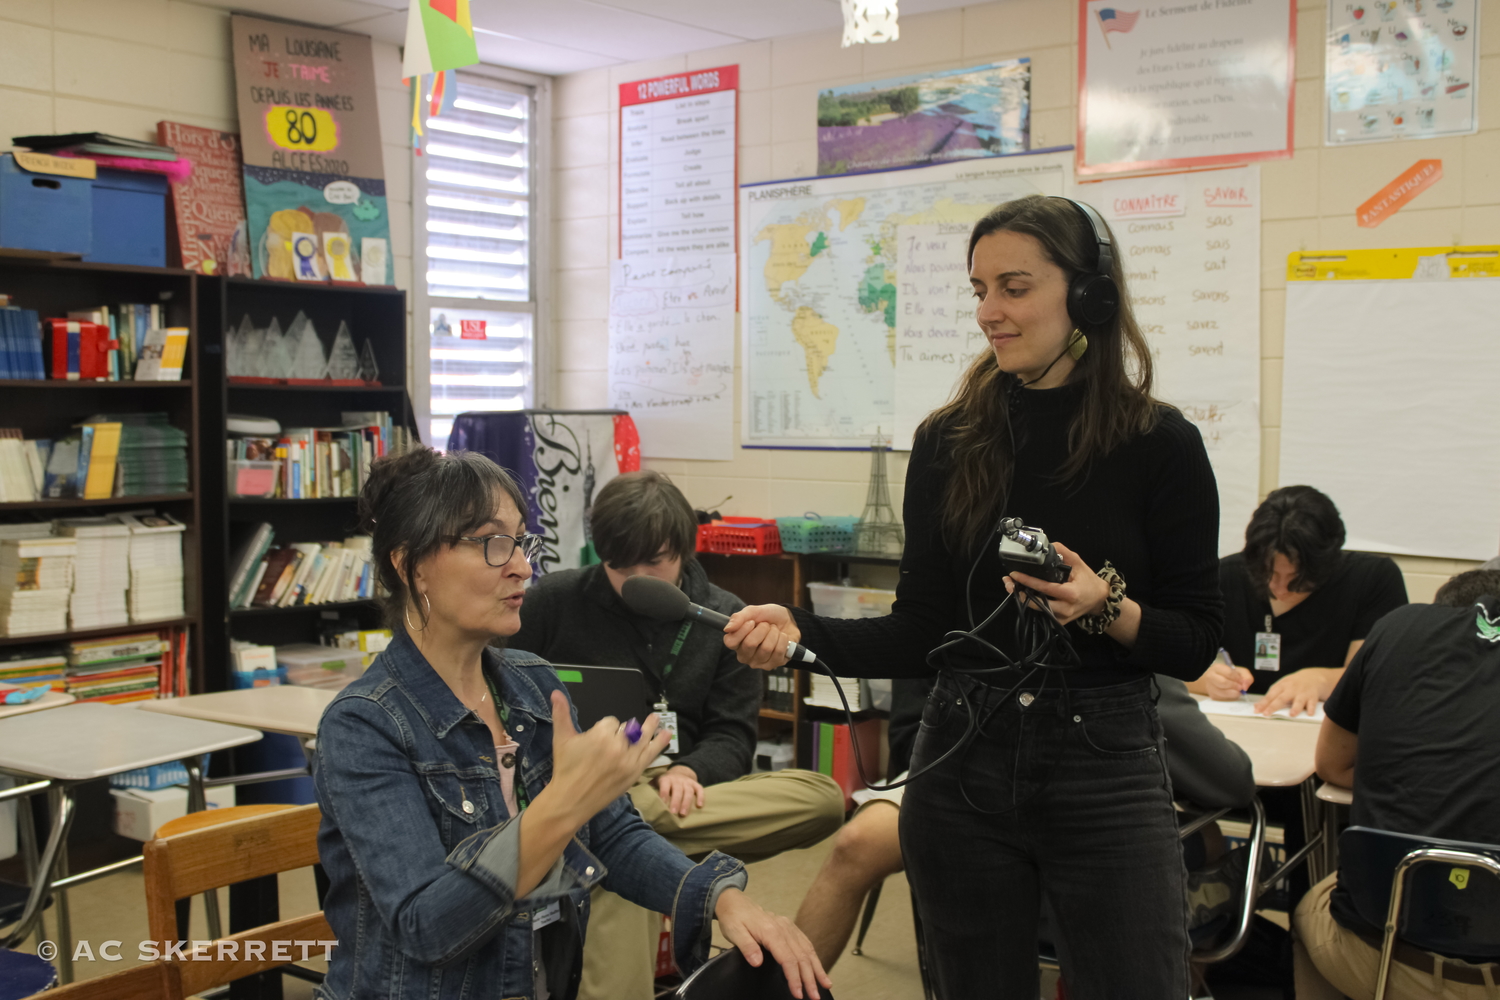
[[1317, 632], [1423, 694]]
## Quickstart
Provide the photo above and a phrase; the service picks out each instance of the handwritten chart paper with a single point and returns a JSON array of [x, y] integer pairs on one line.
[[1191, 83], [678, 142], [1190, 244], [671, 353], [937, 334]]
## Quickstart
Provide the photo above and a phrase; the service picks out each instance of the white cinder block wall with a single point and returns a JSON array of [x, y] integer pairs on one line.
[[1308, 204], [121, 66]]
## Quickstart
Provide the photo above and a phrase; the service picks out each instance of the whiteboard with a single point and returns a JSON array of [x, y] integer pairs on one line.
[[1391, 406]]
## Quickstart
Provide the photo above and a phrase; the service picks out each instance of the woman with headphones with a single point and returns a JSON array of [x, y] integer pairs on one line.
[[1045, 778]]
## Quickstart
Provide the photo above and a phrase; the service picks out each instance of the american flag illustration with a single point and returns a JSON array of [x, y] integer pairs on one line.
[[1117, 20]]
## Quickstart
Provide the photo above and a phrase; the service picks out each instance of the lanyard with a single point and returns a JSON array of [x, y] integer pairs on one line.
[[522, 799], [666, 670]]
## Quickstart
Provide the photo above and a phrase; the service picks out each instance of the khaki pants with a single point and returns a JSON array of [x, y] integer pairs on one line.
[[753, 818], [1333, 962]]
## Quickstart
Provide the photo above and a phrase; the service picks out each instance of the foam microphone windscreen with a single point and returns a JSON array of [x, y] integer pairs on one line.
[[646, 595]]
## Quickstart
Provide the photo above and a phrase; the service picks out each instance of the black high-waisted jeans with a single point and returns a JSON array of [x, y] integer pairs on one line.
[[1062, 794]]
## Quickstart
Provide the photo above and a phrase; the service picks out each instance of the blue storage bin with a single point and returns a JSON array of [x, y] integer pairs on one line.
[[44, 211], [130, 218]]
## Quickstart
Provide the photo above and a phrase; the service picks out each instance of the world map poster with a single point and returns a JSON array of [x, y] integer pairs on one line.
[[821, 295]]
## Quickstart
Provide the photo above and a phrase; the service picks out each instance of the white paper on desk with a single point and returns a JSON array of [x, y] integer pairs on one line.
[[1247, 708], [671, 353]]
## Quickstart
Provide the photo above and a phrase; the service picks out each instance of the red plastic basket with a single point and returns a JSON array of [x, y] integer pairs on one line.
[[749, 536]]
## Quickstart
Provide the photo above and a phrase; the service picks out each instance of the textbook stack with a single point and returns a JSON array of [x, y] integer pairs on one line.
[[824, 692], [101, 572], [108, 346], [20, 343], [302, 573], [34, 668], [118, 669], [36, 578], [156, 574], [152, 456], [22, 465]]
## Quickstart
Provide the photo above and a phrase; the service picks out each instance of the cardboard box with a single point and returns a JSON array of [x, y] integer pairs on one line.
[[139, 813]]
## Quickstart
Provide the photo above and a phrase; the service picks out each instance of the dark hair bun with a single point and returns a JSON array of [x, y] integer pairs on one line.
[[385, 475]]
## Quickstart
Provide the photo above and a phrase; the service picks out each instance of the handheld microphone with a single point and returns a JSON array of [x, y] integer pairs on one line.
[[658, 599]]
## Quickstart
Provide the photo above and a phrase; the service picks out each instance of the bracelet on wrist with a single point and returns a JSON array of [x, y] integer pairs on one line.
[[1098, 624]]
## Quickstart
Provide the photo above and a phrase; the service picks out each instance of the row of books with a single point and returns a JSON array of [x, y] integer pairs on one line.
[[20, 343], [325, 461], [90, 572], [129, 341], [300, 573], [114, 669], [111, 455], [828, 748], [779, 691]]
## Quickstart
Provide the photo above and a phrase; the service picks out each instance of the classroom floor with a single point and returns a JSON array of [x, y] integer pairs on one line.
[[114, 908]]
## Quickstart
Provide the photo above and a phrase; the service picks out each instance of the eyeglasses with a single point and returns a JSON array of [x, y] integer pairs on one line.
[[498, 549]]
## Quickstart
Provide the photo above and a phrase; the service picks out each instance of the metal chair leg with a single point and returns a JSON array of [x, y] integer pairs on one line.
[[197, 802], [864, 922]]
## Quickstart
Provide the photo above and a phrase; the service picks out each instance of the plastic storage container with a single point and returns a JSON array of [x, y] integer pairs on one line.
[[750, 536], [813, 533], [310, 665], [252, 478], [44, 211], [155, 777], [832, 600], [130, 218]]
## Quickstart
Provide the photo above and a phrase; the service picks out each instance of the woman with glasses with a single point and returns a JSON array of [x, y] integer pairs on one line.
[[465, 819]]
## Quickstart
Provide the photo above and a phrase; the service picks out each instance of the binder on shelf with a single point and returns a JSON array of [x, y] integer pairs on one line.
[[97, 471]]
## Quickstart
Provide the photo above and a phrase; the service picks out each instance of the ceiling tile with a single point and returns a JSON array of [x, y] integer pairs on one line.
[[327, 12], [595, 28], [753, 21], [537, 57]]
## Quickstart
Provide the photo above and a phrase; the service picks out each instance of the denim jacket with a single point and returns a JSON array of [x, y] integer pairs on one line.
[[423, 856]]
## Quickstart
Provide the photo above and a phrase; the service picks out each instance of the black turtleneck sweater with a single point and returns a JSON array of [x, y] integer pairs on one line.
[[1150, 507]]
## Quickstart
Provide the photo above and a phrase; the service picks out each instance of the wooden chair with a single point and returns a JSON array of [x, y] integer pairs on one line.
[[222, 854], [157, 981], [198, 821]]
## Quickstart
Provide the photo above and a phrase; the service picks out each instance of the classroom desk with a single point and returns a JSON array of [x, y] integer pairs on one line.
[[77, 743], [286, 708], [52, 699], [1336, 794], [1282, 753]]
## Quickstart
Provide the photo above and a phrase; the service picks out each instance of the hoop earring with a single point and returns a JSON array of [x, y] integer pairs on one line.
[[406, 614]]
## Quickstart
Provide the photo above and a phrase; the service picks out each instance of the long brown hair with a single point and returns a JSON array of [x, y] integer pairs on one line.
[[1115, 371]]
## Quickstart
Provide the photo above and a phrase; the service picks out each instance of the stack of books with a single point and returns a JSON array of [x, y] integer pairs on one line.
[[97, 145], [155, 565], [118, 669], [36, 579], [34, 667], [20, 343], [153, 456], [824, 692], [101, 571], [22, 466]]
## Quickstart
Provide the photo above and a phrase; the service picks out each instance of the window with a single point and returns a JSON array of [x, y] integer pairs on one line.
[[475, 217]]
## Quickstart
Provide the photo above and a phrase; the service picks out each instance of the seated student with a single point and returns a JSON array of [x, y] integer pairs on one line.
[[703, 798], [1206, 769], [1296, 606], [1411, 728]]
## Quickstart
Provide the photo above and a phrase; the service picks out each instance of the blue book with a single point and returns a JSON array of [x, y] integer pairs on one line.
[[85, 447], [74, 350], [7, 337]]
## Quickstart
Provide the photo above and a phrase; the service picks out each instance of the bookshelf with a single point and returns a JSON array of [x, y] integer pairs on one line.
[[374, 314], [44, 408]]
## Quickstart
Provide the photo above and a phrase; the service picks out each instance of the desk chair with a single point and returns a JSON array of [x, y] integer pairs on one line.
[[1430, 894], [156, 981], [728, 976], [222, 854]]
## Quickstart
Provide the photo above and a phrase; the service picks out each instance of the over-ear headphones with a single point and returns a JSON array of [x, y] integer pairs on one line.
[[1093, 299]]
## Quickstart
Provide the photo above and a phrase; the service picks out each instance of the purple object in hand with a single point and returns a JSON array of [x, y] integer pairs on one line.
[[633, 731]]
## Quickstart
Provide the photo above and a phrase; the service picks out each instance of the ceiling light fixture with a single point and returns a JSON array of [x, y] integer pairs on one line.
[[870, 22]]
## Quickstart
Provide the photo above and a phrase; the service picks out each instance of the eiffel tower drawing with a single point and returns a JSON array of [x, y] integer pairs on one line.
[[879, 533]]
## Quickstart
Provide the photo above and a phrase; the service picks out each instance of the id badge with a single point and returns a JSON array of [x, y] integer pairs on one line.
[[1268, 651], [547, 915], [668, 721]]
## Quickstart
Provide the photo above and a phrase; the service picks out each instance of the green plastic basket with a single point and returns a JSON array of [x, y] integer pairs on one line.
[[812, 533]]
